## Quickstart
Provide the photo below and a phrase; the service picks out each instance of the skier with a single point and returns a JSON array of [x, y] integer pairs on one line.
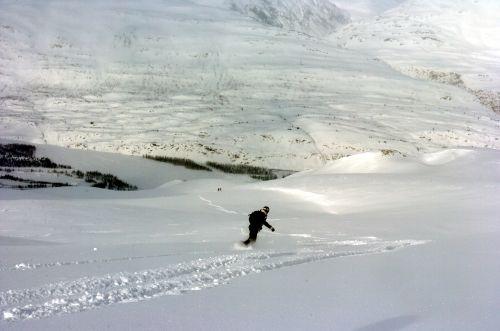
[[257, 219]]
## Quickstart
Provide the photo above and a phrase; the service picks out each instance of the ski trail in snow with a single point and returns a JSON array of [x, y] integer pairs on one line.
[[94, 292], [211, 204], [22, 266], [108, 282]]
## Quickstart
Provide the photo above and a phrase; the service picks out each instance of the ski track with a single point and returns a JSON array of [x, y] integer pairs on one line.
[[23, 266], [222, 209], [93, 292]]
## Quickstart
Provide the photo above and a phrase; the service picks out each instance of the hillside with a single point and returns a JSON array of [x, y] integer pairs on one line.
[[201, 80], [370, 241], [452, 42]]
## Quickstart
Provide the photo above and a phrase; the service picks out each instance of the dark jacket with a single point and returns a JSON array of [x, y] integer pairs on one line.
[[257, 219]]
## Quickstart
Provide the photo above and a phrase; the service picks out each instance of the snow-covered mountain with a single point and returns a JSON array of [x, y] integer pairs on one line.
[[454, 42], [201, 80], [314, 17], [359, 9], [393, 225]]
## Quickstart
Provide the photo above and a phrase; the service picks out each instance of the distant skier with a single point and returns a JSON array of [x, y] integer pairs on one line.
[[257, 219]]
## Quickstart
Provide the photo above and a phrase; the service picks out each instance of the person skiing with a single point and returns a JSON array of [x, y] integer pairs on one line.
[[257, 219]]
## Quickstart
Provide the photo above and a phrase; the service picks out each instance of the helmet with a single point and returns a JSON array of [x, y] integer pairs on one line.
[[266, 209]]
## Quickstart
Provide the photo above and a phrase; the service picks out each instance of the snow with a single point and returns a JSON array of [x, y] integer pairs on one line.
[[366, 8], [200, 80], [441, 35], [413, 233], [313, 17], [153, 174], [390, 222]]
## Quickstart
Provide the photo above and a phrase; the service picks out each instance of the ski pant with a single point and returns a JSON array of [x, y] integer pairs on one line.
[[252, 237]]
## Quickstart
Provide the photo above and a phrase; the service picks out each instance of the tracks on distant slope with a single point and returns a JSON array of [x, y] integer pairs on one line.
[[94, 292]]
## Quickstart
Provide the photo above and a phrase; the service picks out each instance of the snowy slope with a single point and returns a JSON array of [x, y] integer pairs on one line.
[[314, 17], [371, 240], [200, 80], [419, 37], [359, 9], [394, 224]]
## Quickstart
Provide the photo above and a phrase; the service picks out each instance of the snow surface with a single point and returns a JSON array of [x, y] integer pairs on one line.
[[391, 222], [368, 242]]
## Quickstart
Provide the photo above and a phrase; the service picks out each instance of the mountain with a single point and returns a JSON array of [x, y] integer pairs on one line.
[[452, 42], [314, 17], [358, 9], [203, 81]]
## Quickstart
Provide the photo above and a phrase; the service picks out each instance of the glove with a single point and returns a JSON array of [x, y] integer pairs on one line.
[[272, 229]]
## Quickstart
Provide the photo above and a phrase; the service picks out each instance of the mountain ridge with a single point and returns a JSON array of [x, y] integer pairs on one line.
[[204, 82]]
